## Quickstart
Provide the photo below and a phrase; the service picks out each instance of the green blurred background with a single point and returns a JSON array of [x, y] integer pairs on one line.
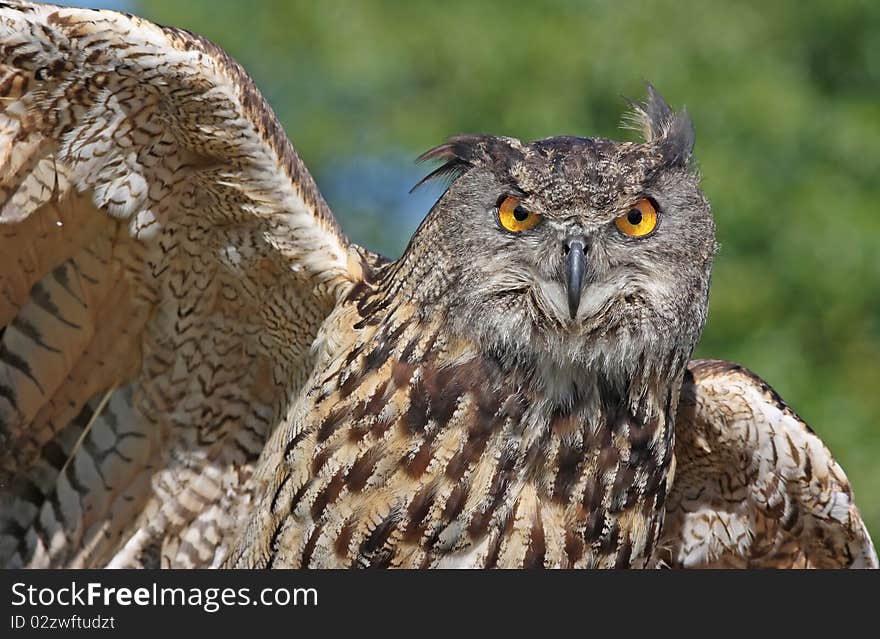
[[785, 97]]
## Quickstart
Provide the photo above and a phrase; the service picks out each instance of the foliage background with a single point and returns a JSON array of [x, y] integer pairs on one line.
[[786, 101]]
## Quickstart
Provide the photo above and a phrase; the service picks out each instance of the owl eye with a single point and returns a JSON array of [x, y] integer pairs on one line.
[[639, 221], [515, 217]]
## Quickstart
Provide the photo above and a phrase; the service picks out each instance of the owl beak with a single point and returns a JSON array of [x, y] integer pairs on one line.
[[575, 264]]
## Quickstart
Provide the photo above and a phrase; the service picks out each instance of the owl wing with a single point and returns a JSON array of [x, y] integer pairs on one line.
[[754, 486], [166, 262]]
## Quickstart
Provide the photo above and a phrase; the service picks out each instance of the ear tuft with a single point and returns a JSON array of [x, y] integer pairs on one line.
[[462, 152], [678, 144], [672, 132], [457, 155]]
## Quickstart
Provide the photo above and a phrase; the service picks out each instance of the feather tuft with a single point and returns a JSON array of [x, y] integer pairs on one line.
[[672, 132]]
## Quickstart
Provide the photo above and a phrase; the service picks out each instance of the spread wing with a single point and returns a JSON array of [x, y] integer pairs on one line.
[[754, 486], [166, 262]]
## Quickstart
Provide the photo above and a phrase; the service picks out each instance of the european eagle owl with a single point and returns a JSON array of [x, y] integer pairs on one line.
[[198, 368]]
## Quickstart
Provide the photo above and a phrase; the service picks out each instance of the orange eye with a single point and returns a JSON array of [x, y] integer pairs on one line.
[[515, 217], [639, 220]]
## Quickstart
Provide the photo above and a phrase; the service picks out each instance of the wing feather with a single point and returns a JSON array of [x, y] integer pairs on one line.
[[754, 486], [158, 236]]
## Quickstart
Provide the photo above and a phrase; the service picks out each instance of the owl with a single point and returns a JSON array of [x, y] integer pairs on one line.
[[199, 369]]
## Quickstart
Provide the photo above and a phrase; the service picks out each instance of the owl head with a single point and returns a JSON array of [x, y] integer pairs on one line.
[[582, 250]]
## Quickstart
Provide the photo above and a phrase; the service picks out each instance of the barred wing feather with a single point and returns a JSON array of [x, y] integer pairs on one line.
[[166, 262]]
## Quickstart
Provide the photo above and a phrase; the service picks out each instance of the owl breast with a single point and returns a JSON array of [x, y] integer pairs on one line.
[[414, 449]]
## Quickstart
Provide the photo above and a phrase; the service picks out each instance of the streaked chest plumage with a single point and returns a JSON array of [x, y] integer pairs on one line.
[[413, 449]]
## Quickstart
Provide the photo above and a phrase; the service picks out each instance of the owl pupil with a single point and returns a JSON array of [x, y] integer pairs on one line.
[[520, 214], [634, 217]]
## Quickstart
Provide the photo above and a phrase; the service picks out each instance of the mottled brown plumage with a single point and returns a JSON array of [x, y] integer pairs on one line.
[[754, 486], [165, 258], [197, 368]]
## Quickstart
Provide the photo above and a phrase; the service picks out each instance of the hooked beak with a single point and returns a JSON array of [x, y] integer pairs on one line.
[[575, 263]]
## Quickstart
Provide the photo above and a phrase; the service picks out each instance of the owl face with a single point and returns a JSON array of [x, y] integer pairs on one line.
[[582, 248]]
